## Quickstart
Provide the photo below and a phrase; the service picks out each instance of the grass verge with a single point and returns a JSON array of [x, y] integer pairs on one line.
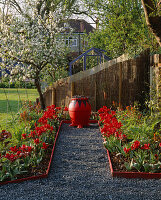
[[11, 101]]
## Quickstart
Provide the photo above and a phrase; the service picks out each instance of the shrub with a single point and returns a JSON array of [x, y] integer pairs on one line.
[[17, 84]]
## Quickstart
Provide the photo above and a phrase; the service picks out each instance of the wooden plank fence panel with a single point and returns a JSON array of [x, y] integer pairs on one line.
[[124, 81]]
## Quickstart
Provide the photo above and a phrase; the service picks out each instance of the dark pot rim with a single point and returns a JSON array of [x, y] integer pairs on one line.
[[77, 97]]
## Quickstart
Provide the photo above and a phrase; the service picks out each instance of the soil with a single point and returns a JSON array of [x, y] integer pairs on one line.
[[118, 161]]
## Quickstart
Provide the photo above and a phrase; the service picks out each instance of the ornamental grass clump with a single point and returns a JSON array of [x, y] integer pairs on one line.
[[131, 138], [32, 144]]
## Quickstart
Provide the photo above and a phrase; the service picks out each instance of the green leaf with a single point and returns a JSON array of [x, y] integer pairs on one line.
[[128, 166], [147, 167]]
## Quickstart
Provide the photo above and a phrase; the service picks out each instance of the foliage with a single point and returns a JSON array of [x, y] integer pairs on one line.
[[17, 84], [122, 29], [67, 7], [32, 141], [134, 136]]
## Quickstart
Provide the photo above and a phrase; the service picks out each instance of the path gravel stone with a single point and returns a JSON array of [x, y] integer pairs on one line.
[[80, 171]]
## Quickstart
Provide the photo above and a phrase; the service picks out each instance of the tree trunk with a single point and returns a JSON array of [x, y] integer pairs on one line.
[[153, 21], [38, 87]]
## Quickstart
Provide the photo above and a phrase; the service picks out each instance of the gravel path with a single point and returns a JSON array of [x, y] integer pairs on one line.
[[80, 171]]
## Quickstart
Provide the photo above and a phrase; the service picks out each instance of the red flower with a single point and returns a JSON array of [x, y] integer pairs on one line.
[[52, 106], [36, 141], [44, 146], [160, 144], [121, 136], [24, 136], [11, 157], [13, 149], [113, 112], [56, 116], [135, 145], [65, 109], [29, 149], [42, 120], [145, 146], [156, 156], [124, 136], [18, 153], [23, 147], [111, 124], [104, 109], [32, 134], [126, 150]]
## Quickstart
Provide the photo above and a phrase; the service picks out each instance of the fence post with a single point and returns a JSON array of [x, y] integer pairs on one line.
[[120, 85], [53, 96], [72, 89], [159, 85], [157, 69], [95, 93]]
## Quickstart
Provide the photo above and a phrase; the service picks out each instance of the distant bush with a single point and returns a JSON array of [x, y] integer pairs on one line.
[[18, 84]]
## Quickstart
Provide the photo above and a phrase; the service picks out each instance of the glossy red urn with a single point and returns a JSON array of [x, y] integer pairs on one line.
[[79, 111]]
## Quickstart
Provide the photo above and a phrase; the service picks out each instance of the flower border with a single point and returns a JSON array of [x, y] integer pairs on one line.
[[47, 171], [113, 173], [143, 175]]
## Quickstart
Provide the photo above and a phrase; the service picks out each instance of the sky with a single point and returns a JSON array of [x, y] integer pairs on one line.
[[86, 18]]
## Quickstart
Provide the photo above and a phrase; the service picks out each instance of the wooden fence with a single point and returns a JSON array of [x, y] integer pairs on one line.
[[120, 80], [156, 70]]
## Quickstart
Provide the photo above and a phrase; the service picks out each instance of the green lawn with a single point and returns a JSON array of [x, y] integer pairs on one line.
[[10, 102]]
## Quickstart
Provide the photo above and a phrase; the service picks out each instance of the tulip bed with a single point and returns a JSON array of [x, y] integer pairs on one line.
[[26, 152], [132, 139]]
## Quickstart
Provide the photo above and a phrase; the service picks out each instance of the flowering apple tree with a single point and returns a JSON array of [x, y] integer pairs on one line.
[[29, 42]]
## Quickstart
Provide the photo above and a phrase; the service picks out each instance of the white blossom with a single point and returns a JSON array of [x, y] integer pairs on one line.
[[6, 75], [29, 47], [24, 78]]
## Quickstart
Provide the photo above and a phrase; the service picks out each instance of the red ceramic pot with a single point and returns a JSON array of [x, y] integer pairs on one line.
[[79, 111]]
